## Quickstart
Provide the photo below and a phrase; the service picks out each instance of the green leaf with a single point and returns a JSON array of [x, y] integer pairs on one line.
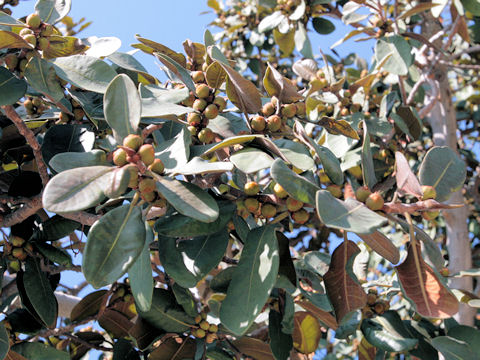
[[11, 87], [250, 160], [443, 169], [85, 72], [208, 38], [252, 281], [228, 125], [55, 254], [467, 334], [128, 62], [185, 299], [220, 282], [179, 225], [188, 199], [91, 103], [398, 51], [4, 341], [140, 275], [114, 243], [296, 185], [302, 42], [165, 314], [39, 292], [349, 215], [297, 154], [175, 152], [190, 260], [177, 69], [368, 171], [39, 351], [280, 343], [382, 338], [453, 349], [323, 26], [122, 107], [71, 160], [41, 76], [88, 306], [198, 166], [77, 189], [124, 350], [6, 19], [471, 5], [52, 11]]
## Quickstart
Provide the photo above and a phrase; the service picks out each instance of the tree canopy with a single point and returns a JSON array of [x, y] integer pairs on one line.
[[264, 200]]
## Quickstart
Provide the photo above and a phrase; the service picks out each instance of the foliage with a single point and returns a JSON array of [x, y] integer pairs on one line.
[[211, 202]]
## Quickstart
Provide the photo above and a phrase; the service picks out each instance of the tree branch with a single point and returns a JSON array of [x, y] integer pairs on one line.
[[31, 140]]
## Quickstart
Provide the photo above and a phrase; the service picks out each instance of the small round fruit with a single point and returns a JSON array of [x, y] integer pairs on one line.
[[279, 191], [11, 60], [133, 182], [379, 307], [268, 109], [200, 333], [202, 90], [362, 193], [206, 136], [19, 253], [119, 157], [444, 271], [430, 215], [14, 266], [31, 39], [133, 141], [429, 192], [194, 118], [251, 188], [374, 201], [189, 102], [147, 185], [293, 204], [289, 110], [157, 166], [269, 211], [160, 202], [199, 104], [148, 196], [258, 123], [335, 190], [301, 216], [220, 102], [211, 111], [252, 205], [193, 130], [371, 298], [210, 338], [33, 21], [213, 328], [198, 318], [22, 65], [204, 325], [197, 76], [16, 241], [43, 43], [47, 30], [274, 123], [147, 154]]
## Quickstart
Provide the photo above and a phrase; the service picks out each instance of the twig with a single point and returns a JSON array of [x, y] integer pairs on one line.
[[28, 209], [31, 140], [82, 217], [228, 260], [86, 343], [460, 66], [150, 129], [414, 90]]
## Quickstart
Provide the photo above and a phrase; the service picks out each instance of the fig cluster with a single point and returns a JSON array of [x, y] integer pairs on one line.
[[139, 157], [272, 120], [204, 329], [17, 250], [375, 305]]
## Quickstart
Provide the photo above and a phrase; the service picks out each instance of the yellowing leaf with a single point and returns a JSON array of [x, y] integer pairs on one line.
[[338, 127], [307, 332], [255, 348], [286, 42], [10, 40], [152, 46], [215, 75], [63, 46], [366, 351], [278, 85]]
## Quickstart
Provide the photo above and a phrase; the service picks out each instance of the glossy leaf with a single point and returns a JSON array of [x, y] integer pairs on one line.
[[114, 243], [166, 314], [469, 335], [250, 160], [11, 87], [71, 160], [252, 281], [453, 349], [297, 186], [199, 166], [297, 154], [423, 288], [322, 25], [444, 170], [4, 341], [115, 322], [140, 275], [39, 292], [343, 288], [398, 51], [11, 40], [407, 182], [88, 306], [349, 215], [77, 189], [188, 199], [255, 348], [190, 260], [42, 77], [368, 170], [307, 332], [52, 11], [382, 246], [179, 225], [122, 107], [386, 340], [280, 343], [39, 351], [277, 85], [85, 72], [175, 152]]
